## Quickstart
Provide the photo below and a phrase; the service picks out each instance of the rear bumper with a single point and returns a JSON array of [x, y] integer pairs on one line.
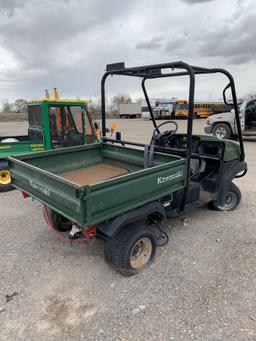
[[208, 129]]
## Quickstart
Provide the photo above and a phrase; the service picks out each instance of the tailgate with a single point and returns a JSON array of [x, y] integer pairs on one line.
[[17, 148], [51, 190]]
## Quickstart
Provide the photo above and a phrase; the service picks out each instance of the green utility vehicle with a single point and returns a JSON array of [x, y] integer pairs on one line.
[[52, 123], [120, 191]]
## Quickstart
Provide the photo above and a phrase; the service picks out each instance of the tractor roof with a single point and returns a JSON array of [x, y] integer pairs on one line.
[[59, 101]]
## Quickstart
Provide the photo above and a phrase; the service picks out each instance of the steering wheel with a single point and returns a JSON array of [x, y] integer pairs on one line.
[[69, 133], [162, 139]]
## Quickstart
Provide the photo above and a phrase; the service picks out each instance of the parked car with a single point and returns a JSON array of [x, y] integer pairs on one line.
[[224, 125]]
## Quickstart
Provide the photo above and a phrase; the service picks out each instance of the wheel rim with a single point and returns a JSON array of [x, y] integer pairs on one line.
[[221, 132], [141, 253], [231, 201], [5, 177]]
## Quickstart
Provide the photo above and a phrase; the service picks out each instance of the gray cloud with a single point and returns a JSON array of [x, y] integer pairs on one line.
[[8, 7], [151, 44], [178, 42], [67, 43], [51, 39], [231, 40], [191, 2], [10, 4], [234, 41], [34, 35]]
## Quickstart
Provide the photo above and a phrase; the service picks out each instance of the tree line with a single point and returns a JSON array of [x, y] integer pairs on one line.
[[20, 105], [112, 107]]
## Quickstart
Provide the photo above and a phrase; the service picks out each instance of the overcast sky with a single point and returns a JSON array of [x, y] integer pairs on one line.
[[67, 43]]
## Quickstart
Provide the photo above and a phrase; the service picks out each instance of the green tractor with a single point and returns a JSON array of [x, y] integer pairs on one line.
[[52, 123]]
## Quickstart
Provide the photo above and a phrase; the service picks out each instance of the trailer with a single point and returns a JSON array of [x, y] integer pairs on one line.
[[129, 110], [120, 191]]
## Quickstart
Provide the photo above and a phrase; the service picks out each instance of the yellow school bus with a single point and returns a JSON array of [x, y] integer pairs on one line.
[[201, 109], [181, 109]]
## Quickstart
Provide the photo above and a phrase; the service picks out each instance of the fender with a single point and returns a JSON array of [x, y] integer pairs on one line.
[[227, 173], [111, 228]]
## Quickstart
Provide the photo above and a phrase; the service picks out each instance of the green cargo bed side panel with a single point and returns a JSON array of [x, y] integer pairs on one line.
[[39, 175], [19, 148]]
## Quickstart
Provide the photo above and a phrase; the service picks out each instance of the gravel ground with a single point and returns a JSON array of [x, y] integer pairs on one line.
[[200, 287]]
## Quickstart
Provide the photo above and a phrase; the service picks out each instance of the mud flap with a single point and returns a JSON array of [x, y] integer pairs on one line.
[[227, 173], [111, 228]]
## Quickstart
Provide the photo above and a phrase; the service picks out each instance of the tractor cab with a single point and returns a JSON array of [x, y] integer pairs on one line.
[[60, 122], [66, 125]]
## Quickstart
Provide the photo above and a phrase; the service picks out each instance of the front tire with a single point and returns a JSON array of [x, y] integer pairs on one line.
[[131, 250], [232, 200], [222, 131]]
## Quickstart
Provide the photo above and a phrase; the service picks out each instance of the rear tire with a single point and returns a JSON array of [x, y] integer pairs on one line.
[[222, 131], [131, 250], [233, 198], [5, 180], [6, 188], [57, 221]]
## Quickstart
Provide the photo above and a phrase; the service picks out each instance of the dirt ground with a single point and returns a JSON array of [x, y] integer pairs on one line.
[[201, 286]]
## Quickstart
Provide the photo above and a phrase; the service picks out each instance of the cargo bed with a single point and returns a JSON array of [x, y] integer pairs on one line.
[[90, 184]]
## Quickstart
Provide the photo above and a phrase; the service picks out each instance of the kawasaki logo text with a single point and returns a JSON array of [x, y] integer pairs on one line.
[[168, 178]]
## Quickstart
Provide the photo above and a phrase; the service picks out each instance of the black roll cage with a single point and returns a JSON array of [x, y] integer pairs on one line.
[[155, 71]]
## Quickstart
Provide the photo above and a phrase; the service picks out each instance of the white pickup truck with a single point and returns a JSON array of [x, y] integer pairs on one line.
[[224, 127]]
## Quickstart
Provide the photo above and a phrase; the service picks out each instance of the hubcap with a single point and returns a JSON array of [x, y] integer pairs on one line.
[[5, 177], [231, 201], [141, 253], [221, 132]]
